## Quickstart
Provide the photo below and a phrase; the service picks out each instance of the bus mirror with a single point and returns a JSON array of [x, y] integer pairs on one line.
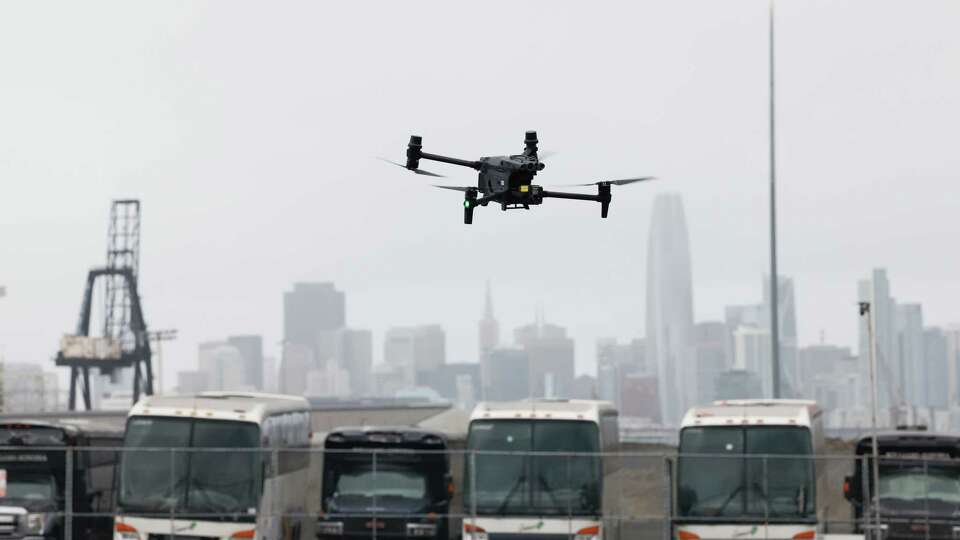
[[851, 489]]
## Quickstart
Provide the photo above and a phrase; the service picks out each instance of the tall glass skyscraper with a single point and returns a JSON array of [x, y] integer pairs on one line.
[[669, 336]]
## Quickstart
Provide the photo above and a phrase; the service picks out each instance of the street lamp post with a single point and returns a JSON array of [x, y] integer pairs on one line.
[[774, 280], [875, 470]]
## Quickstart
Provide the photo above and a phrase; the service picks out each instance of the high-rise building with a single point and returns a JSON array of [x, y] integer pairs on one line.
[[614, 362], [937, 368], [223, 366], [27, 388], [508, 375], [457, 383], [356, 357], [787, 326], [251, 354], [639, 397], [876, 290], [297, 361], [952, 338], [911, 369], [551, 356], [710, 338], [313, 313], [743, 315], [830, 375], [584, 387], [414, 351], [752, 350], [669, 314], [488, 326], [738, 384]]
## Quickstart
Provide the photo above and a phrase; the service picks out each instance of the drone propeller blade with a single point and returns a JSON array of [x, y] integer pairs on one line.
[[418, 171], [620, 182], [546, 154], [454, 188]]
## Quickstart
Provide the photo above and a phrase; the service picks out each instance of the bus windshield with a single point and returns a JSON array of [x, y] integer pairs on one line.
[[939, 482], [397, 480], [30, 486], [561, 477], [196, 476], [746, 472]]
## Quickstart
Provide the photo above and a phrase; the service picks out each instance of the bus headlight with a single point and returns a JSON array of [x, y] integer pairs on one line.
[[122, 531], [330, 528], [421, 529], [588, 533], [472, 532], [36, 523]]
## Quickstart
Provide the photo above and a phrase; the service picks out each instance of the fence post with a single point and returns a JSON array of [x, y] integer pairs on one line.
[[374, 520], [667, 497], [68, 502], [865, 509], [473, 487], [173, 487]]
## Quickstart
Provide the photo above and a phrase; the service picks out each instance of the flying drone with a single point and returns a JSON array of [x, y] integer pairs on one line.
[[508, 180]]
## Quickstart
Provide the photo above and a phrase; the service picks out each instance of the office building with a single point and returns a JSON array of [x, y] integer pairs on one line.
[[550, 354], [711, 356], [937, 367], [250, 348], [415, 351], [223, 366], [738, 384], [669, 314], [508, 375]]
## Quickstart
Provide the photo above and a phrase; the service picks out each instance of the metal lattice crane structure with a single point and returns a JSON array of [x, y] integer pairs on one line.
[[125, 342]]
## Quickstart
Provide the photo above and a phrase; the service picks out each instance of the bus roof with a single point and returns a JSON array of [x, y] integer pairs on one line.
[[75, 427], [242, 406], [775, 412], [543, 409], [911, 441]]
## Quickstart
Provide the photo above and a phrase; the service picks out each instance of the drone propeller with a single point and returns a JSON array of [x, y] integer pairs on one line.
[[418, 171], [454, 188], [621, 182], [545, 155]]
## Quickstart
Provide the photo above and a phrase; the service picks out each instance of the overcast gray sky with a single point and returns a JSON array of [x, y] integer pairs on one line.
[[249, 131]]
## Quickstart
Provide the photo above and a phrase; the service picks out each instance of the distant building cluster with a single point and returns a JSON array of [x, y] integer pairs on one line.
[[27, 388], [677, 363]]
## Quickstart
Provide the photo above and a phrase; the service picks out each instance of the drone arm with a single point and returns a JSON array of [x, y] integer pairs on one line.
[[450, 160], [602, 197], [575, 196]]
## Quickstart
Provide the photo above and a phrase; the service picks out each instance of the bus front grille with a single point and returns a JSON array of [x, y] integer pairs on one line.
[[8, 525]]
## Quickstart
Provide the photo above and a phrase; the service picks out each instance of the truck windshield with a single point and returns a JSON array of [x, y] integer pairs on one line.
[[732, 473], [196, 475], [29, 486], [397, 479], [533, 467], [916, 484]]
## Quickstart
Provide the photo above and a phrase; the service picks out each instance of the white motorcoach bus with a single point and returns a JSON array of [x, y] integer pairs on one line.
[[747, 469], [218, 465], [534, 469]]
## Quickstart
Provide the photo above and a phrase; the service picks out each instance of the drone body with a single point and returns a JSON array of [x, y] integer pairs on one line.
[[507, 180]]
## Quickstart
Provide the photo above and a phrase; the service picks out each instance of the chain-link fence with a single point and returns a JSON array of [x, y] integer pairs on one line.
[[200, 493]]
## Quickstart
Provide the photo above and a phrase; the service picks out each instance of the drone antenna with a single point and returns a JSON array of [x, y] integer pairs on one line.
[[530, 143]]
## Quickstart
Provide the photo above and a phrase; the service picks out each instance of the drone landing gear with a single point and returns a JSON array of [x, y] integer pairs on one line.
[[469, 202]]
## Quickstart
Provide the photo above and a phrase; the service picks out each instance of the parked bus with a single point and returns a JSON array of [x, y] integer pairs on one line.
[[747, 469], [217, 465], [385, 482], [34, 476], [535, 470], [919, 485]]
